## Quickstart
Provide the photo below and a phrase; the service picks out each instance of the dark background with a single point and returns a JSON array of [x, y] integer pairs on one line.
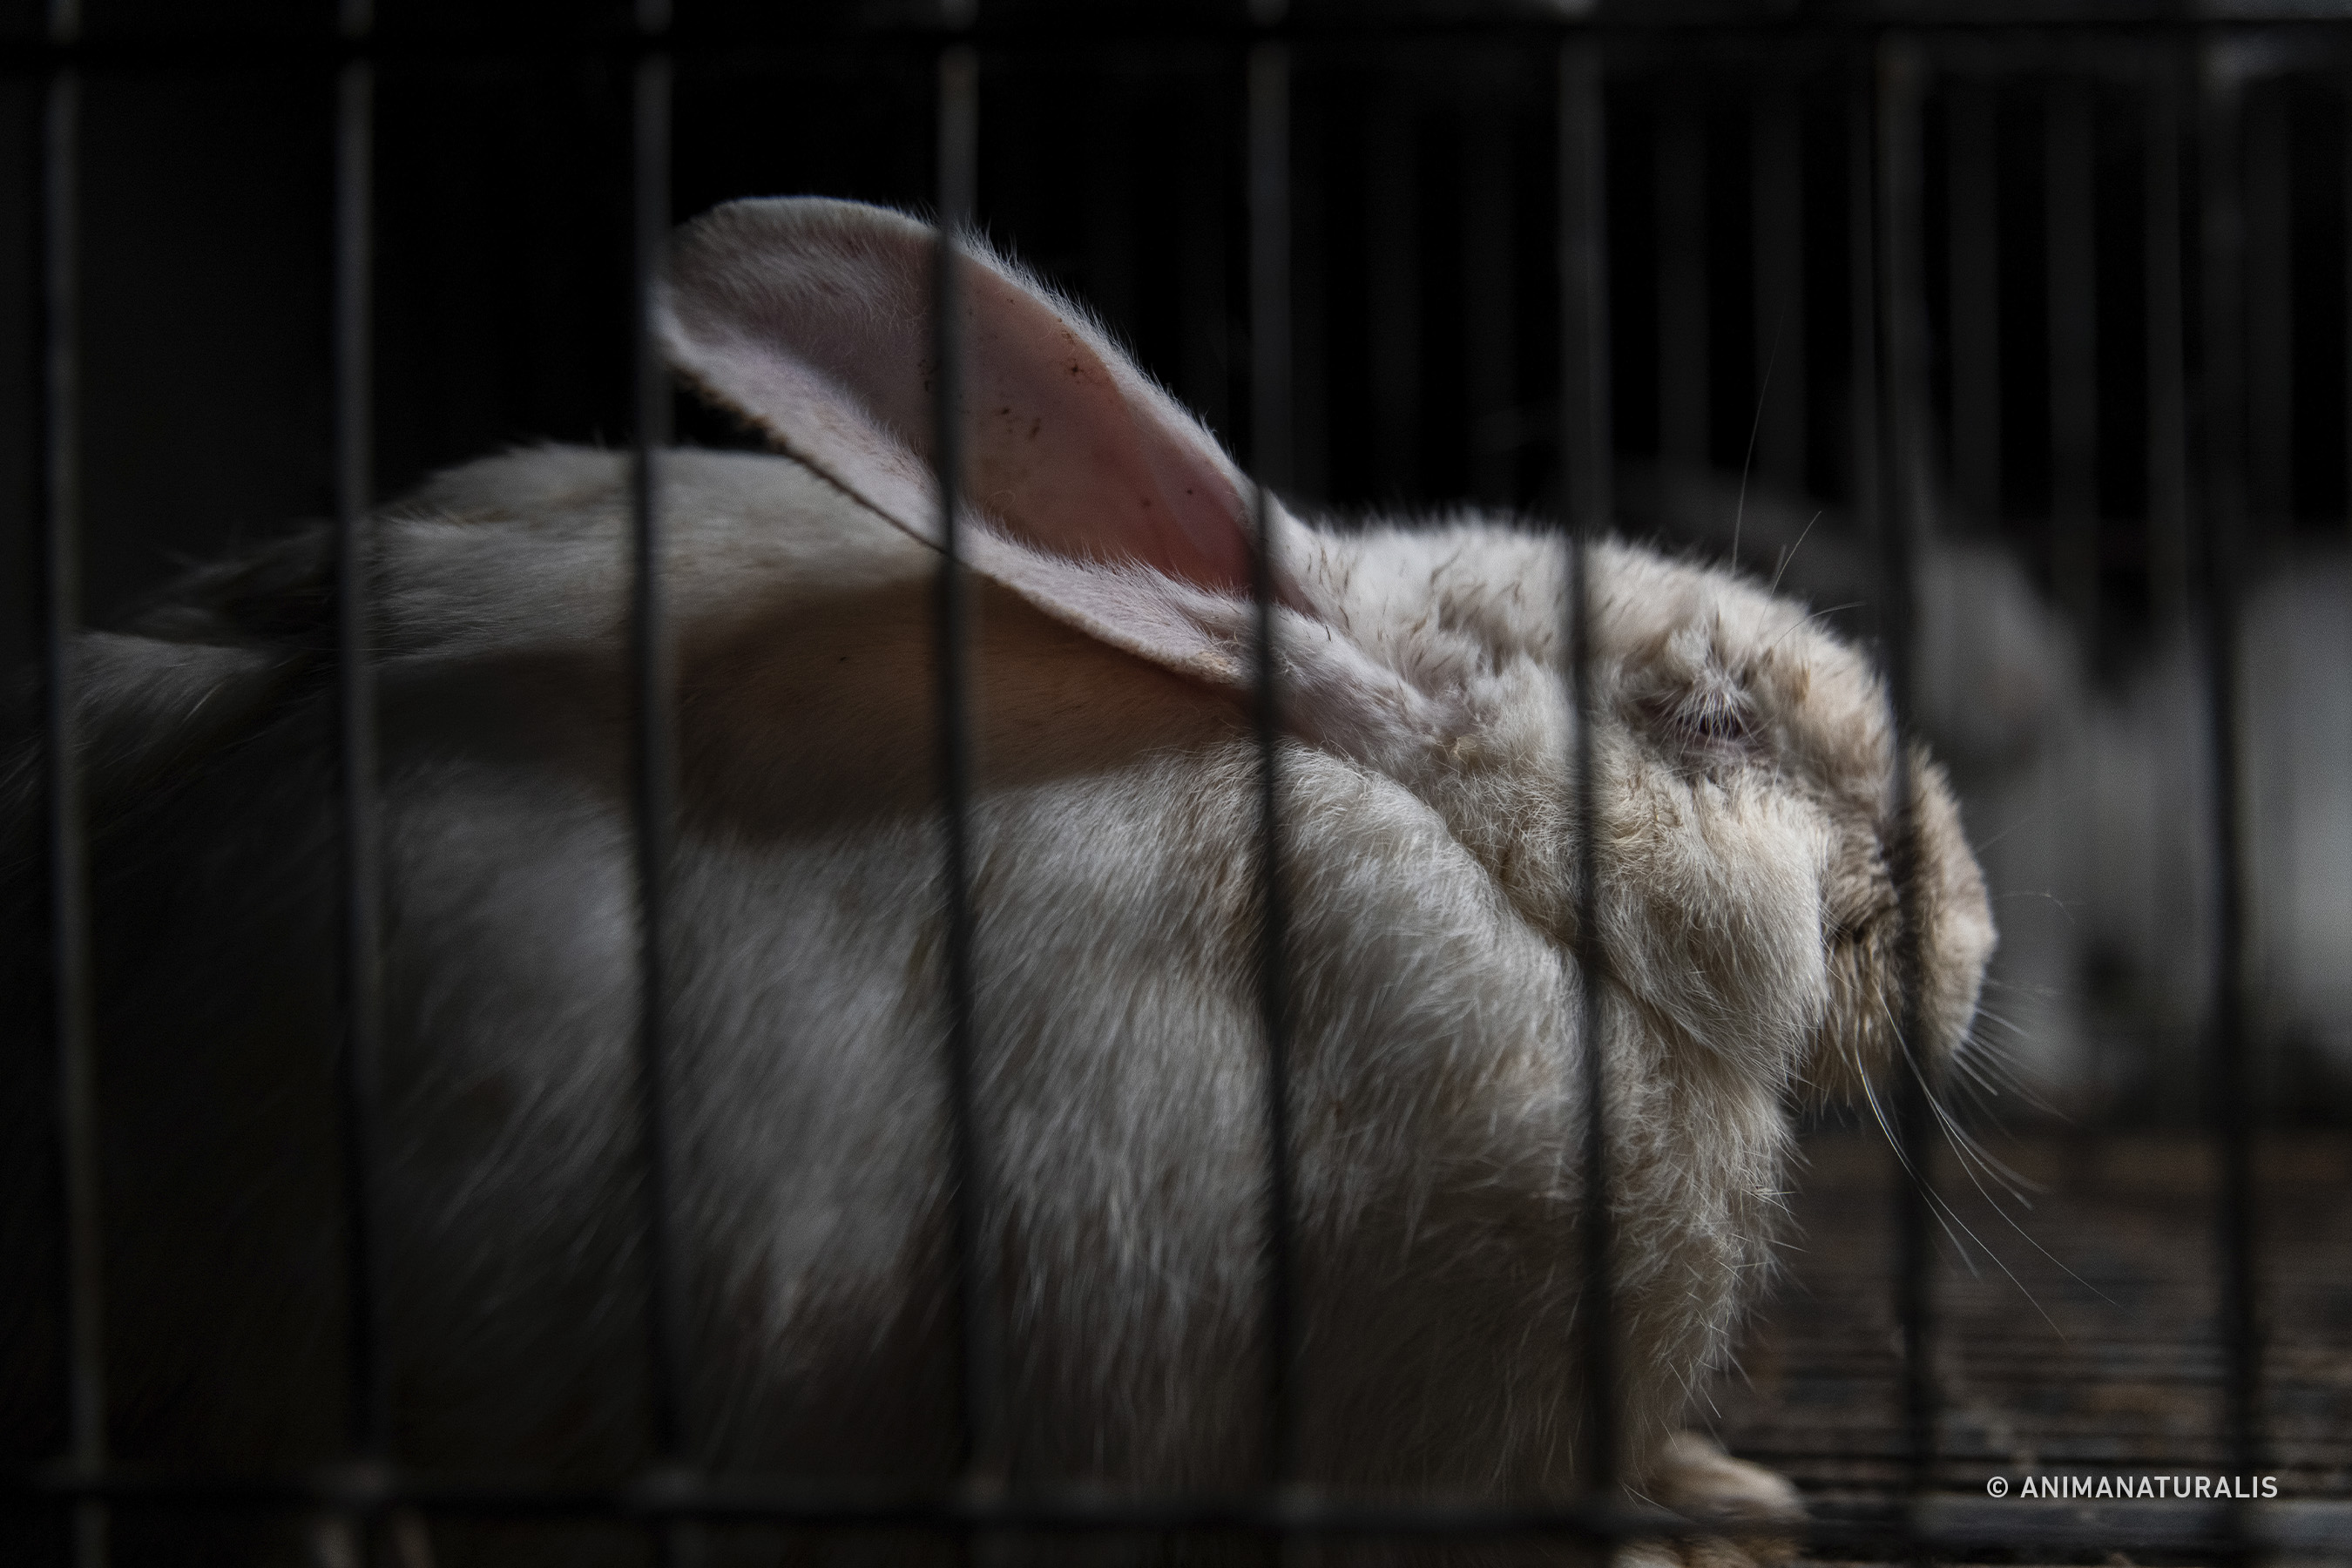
[[1427, 298]]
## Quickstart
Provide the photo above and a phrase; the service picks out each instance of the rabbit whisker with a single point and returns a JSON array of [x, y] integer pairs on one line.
[[2028, 818], [1964, 1145], [1949, 1216], [1986, 1067], [1748, 462], [1936, 1204], [1986, 1015], [1995, 1055], [2043, 993], [1974, 1074], [1963, 1142], [1790, 553], [2061, 904], [1990, 1061], [1817, 615]]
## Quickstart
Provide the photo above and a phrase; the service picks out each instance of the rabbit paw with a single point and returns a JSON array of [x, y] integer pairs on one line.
[[1695, 1477]]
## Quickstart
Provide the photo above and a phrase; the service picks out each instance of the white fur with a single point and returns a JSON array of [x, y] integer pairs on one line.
[[1426, 794]]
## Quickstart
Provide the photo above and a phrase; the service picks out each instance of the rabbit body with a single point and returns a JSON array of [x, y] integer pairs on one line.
[[1748, 922]]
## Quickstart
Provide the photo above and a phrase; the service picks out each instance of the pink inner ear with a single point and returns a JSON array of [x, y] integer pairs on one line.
[[812, 317], [1079, 463]]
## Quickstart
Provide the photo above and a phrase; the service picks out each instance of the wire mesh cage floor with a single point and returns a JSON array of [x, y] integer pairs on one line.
[[2081, 1334]]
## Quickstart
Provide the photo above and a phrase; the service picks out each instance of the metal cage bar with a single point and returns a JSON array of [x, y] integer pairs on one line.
[[652, 675], [1896, 356], [1585, 489], [368, 1419], [1943, 1520], [1393, 323], [1777, 246], [1488, 328], [980, 1419], [1971, 125], [2070, 297], [2220, 240], [1268, 154], [1686, 362], [2265, 202], [2168, 369], [59, 403]]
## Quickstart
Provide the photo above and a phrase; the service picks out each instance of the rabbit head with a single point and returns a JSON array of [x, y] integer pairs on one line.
[[1752, 813]]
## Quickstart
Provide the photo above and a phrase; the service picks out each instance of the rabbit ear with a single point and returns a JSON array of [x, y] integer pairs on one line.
[[812, 318], [1095, 498]]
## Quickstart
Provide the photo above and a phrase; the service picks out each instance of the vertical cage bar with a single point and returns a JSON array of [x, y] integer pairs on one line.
[[1488, 305], [1862, 301], [2070, 299], [2269, 332], [1972, 192], [2168, 391], [655, 759], [1205, 362], [1894, 282], [980, 1437], [1585, 485], [1270, 439], [2344, 199], [369, 1415], [2169, 457], [1683, 435], [1312, 158], [1777, 231], [1111, 242], [1392, 227], [59, 455], [2221, 242]]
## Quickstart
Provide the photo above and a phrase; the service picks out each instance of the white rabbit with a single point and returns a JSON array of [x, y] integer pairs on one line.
[[2117, 820], [2093, 799], [1748, 921]]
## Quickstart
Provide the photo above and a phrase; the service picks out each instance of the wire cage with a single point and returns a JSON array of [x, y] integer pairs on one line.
[[2017, 338]]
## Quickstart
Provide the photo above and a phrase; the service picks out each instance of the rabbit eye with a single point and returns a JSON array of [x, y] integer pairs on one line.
[[1710, 725]]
